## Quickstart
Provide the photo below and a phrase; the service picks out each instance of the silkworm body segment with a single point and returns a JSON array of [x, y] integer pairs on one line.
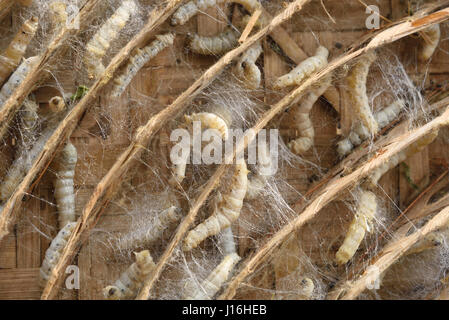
[[246, 68], [214, 45]]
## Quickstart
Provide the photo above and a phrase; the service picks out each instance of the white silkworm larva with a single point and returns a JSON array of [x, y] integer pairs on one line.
[[431, 38], [130, 281], [367, 207], [359, 133], [356, 82], [10, 59], [227, 242], [101, 41], [191, 8], [16, 79], [58, 10], [246, 68], [302, 117], [138, 60], [399, 157], [63, 184], [304, 69], [208, 120], [227, 210], [215, 45], [210, 286], [56, 104], [53, 253], [258, 181]]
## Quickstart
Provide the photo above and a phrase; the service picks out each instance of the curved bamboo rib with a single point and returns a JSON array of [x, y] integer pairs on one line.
[[51, 53], [107, 186], [66, 127], [392, 253]]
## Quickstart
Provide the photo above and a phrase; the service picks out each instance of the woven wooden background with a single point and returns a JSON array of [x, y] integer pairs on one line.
[[164, 78]]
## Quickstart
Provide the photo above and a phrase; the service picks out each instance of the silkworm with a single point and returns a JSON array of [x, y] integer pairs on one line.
[[304, 69], [302, 117], [227, 241], [58, 10], [101, 41], [208, 120], [246, 68], [56, 104], [16, 79], [258, 181], [10, 58], [431, 38], [366, 210], [431, 241], [214, 45], [210, 286], [53, 253], [63, 184], [360, 133], [130, 281], [399, 157], [226, 211], [138, 60], [356, 82], [191, 8]]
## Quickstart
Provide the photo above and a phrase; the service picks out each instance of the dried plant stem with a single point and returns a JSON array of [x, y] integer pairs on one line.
[[108, 185], [36, 74], [5, 7]]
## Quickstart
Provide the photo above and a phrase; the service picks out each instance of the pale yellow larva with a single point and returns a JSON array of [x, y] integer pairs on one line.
[[214, 45], [302, 117], [97, 47], [53, 253], [227, 243], [63, 184], [359, 133], [138, 60], [56, 104], [304, 69], [431, 38], [362, 222], [207, 120], [11, 57], [58, 12], [130, 281], [399, 157], [226, 211], [258, 181], [16, 79], [356, 82], [210, 286], [191, 8], [246, 69]]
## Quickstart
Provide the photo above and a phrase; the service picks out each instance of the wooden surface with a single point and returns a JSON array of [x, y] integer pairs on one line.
[[106, 129]]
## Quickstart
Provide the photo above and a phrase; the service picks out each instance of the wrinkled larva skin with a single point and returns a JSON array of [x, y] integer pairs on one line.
[[63, 184], [11, 57], [138, 60], [356, 82], [258, 181], [210, 286], [16, 79], [208, 120], [359, 133], [399, 157], [361, 223], [130, 281], [246, 68], [190, 9], [215, 45], [304, 69], [303, 123], [429, 42], [53, 253], [226, 211], [101, 41]]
